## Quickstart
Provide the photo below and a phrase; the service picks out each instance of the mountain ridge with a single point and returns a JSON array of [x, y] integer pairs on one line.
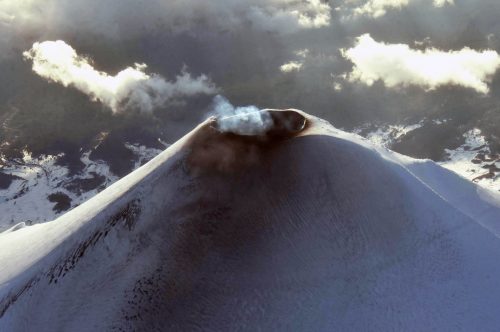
[[309, 233]]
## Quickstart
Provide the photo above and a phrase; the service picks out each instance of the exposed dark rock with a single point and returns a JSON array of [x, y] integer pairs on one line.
[[430, 141], [492, 167], [63, 201], [6, 180], [489, 175], [112, 150], [70, 158], [79, 186]]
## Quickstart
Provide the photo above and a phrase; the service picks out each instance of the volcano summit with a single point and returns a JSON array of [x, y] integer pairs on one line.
[[300, 228]]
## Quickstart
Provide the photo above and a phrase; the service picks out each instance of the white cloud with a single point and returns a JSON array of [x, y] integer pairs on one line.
[[291, 66], [441, 3], [399, 65], [303, 53], [132, 87], [288, 16], [377, 8]]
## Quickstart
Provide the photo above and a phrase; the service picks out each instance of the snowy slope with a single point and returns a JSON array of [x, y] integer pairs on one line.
[[318, 232], [44, 189], [472, 160]]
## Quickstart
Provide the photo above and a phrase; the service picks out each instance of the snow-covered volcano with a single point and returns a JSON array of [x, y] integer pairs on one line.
[[316, 230]]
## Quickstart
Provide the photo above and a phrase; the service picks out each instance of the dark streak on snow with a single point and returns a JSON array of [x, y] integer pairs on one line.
[[11, 299], [127, 217]]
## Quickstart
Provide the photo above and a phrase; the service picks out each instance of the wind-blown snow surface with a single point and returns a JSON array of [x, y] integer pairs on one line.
[[319, 232]]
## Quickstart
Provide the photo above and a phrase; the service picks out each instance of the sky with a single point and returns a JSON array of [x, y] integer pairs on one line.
[[351, 62]]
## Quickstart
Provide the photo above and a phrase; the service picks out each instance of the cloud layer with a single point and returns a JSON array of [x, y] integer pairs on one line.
[[377, 8], [131, 88], [283, 16], [399, 65], [246, 45]]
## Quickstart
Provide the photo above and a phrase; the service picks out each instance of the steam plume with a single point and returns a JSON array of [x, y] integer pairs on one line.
[[132, 87], [246, 120]]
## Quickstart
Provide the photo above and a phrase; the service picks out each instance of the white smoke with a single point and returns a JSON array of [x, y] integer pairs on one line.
[[399, 65], [245, 120], [131, 88]]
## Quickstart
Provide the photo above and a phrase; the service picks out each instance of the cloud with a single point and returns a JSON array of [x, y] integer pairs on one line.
[[441, 3], [296, 65], [290, 15], [291, 66], [132, 87], [399, 65], [124, 17], [378, 8]]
